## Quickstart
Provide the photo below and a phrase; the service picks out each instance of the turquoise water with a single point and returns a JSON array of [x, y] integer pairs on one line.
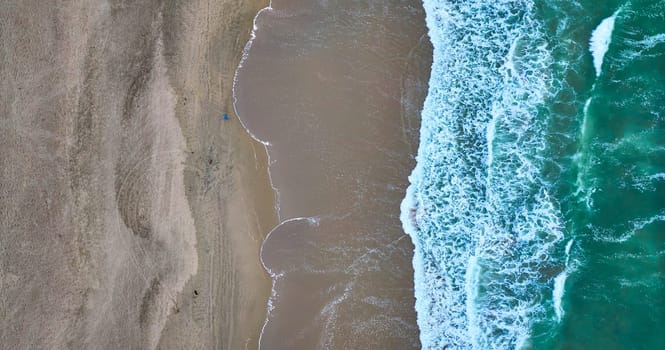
[[537, 206]]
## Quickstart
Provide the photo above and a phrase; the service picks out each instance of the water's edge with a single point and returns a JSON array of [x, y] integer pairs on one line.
[[266, 145]]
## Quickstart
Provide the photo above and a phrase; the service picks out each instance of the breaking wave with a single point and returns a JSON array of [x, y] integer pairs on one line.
[[489, 242]]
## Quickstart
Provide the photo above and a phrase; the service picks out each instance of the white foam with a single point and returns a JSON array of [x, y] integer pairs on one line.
[[650, 42], [477, 209], [560, 283], [510, 63], [583, 192], [471, 288], [586, 113], [569, 246], [601, 37], [276, 276], [557, 294], [659, 176], [642, 223], [491, 131], [637, 225]]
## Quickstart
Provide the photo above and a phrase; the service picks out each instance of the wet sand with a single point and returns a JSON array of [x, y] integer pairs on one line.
[[131, 216], [335, 89]]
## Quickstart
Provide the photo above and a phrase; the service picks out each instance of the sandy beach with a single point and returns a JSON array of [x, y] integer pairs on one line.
[[131, 214]]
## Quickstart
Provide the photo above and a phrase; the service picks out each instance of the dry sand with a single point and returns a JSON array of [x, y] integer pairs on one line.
[[131, 216]]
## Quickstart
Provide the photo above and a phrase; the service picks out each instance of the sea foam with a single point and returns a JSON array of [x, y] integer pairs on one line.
[[600, 41], [478, 211], [560, 283]]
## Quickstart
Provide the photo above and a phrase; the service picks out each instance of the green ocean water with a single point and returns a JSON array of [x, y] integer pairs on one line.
[[608, 170], [537, 205]]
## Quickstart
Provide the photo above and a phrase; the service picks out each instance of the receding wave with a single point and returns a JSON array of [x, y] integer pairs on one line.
[[487, 233]]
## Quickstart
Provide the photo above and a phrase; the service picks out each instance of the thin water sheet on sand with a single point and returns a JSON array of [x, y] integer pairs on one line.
[[334, 90]]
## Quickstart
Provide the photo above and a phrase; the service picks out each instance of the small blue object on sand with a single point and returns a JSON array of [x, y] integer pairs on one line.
[[225, 116]]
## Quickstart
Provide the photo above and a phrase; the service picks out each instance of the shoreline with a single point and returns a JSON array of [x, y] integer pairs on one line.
[[245, 52], [275, 192], [247, 211]]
